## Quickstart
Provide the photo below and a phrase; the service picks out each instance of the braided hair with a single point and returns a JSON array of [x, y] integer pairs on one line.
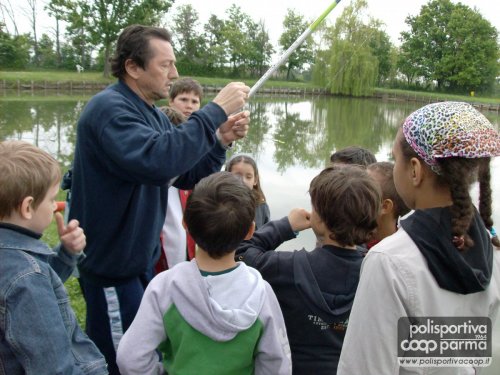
[[459, 174]]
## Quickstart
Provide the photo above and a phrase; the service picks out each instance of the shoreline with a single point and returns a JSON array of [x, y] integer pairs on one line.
[[92, 87]]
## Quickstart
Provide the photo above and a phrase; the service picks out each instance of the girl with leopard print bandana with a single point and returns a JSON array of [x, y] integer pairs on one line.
[[441, 262]]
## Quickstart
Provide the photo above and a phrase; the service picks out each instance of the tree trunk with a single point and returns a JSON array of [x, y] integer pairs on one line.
[[58, 44], [32, 5], [10, 13], [107, 65], [82, 48]]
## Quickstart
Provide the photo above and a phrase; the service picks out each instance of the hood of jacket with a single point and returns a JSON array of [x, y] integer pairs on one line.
[[329, 294], [463, 272], [218, 306]]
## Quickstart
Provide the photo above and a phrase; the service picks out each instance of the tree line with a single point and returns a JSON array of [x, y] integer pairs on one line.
[[448, 47]]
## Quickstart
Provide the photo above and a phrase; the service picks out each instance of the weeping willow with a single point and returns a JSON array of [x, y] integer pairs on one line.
[[348, 66]]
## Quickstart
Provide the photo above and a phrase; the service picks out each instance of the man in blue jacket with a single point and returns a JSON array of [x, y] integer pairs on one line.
[[127, 154]]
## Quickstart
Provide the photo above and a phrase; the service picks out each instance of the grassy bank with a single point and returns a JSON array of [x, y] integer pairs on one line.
[[40, 77], [52, 76], [438, 96]]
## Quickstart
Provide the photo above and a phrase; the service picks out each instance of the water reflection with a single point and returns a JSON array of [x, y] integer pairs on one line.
[[47, 124]]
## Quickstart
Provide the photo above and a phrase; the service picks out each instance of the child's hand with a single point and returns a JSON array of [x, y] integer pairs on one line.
[[299, 219], [71, 236]]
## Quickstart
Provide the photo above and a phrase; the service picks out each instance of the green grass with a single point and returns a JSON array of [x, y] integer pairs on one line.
[[477, 98], [53, 76], [65, 76], [51, 238], [28, 97]]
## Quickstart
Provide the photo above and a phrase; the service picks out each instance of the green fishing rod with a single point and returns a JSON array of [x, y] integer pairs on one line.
[[292, 48]]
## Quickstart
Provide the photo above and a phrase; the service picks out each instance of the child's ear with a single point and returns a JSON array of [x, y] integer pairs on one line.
[[387, 206], [250, 231], [417, 171], [25, 209]]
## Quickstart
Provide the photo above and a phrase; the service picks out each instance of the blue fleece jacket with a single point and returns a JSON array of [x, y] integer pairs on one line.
[[126, 153]]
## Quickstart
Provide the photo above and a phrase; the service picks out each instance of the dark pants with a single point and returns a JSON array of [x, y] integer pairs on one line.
[[110, 311]]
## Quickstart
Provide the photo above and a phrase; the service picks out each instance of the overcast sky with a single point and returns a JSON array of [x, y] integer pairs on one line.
[[391, 12]]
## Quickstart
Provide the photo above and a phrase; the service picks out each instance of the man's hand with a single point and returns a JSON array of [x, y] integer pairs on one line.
[[299, 219], [236, 127], [71, 236], [233, 97]]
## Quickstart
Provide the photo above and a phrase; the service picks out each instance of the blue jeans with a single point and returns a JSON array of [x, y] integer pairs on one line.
[[110, 311]]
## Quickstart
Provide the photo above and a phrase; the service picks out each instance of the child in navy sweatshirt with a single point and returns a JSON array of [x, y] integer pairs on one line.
[[316, 288]]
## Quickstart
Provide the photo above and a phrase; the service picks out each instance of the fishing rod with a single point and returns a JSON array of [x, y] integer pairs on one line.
[[292, 48]]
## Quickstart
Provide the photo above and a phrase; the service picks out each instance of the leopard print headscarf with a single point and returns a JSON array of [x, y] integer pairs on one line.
[[450, 129]]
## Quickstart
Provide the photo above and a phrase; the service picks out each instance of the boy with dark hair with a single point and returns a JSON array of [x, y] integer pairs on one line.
[[353, 155], [38, 329], [392, 207], [316, 289], [211, 315]]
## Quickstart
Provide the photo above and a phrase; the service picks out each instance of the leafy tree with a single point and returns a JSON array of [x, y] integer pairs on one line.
[[248, 47], [100, 22], [189, 43], [261, 48], [236, 34], [216, 49], [294, 25], [451, 44], [350, 68], [392, 76], [184, 30], [14, 50], [79, 37], [56, 9], [381, 45], [46, 54], [70, 56], [473, 61], [407, 65]]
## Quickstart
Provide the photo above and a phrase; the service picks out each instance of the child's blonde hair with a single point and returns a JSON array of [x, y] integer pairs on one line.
[[25, 170]]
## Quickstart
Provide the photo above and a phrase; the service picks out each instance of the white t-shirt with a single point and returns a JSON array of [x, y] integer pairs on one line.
[[174, 234]]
